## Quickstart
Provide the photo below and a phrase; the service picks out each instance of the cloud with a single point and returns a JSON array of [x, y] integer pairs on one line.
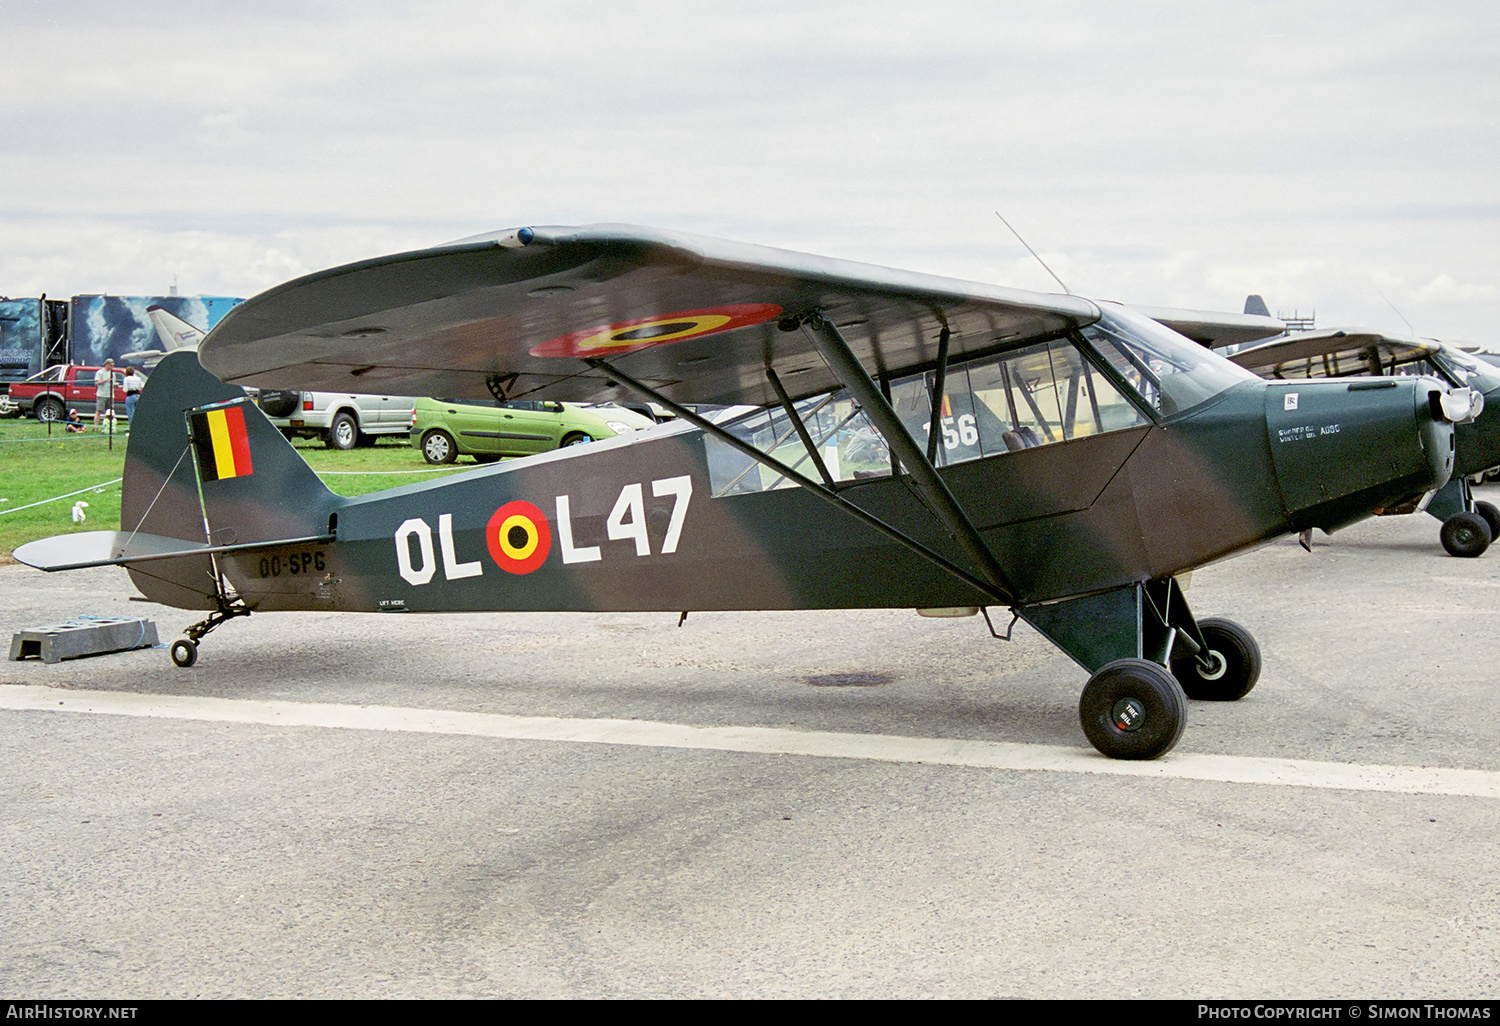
[[1159, 151]]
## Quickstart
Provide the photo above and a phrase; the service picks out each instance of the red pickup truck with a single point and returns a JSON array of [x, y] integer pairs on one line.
[[56, 390]]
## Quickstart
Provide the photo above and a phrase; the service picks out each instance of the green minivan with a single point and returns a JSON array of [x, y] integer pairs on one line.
[[444, 429]]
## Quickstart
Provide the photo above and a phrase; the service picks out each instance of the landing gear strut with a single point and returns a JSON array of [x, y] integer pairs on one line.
[[184, 651], [1148, 655], [1468, 526]]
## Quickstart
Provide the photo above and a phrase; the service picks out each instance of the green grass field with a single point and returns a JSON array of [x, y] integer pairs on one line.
[[35, 467]]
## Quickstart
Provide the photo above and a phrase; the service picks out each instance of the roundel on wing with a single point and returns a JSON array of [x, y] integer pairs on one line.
[[518, 537], [644, 332]]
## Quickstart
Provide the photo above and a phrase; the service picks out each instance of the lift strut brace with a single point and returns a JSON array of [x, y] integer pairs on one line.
[[940, 379], [791, 413], [940, 500], [826, 494]]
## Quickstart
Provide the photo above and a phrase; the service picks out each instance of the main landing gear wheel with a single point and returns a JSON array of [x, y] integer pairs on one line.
[[1133, 709], [1491, 516], [1236, 663], [1466, 535], [184, 652]]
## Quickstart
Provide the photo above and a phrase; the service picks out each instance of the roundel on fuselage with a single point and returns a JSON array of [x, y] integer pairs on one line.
[[518, 537]]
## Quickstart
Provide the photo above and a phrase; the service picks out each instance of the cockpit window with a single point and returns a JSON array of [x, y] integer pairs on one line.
[[847, 443], [1020, 399], [1173, 374], [1031, 396]]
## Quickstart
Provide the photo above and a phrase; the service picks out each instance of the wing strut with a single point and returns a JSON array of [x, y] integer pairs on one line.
[[1003, 595], [847, 368], [791, 413]]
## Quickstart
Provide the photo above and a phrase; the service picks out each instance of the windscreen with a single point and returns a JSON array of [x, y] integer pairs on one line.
[[1172, 373]]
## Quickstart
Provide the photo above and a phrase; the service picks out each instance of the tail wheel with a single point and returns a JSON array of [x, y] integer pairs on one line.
[[1236, 663], [184, 652], [1133, 709], [1466, 535], [438, 447]]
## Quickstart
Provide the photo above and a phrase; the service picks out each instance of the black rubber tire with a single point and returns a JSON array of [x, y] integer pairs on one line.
[[574, 439], [1237, 656], [438, 447], [1491, 515], [50, 410], [343, 432], [184, 652], [279, 404], [1151, 692], [1466, 535]]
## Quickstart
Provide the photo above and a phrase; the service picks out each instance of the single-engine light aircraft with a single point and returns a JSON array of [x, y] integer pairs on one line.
[[1468, 526], [914, 442]]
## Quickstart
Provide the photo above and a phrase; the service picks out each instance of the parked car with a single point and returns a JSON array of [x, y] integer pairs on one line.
[[342, 420], [56, 390], [444, 429]]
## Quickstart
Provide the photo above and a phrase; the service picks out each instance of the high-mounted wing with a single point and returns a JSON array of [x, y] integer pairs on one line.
[[1333, 352], [517, 313]]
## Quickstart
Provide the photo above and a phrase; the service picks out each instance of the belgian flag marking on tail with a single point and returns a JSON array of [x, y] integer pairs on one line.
[[222, 443]]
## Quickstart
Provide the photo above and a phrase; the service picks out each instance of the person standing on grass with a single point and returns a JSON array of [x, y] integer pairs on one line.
[[104, 391], [133, 383]]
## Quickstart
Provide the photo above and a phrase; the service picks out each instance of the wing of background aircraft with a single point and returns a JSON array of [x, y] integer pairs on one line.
[[1334, 352], [1216, 330]]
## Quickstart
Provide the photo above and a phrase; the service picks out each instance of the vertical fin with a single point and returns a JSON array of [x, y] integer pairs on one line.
[[261, 491]]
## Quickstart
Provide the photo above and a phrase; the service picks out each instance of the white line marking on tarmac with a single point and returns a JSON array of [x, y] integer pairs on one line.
[[761, 740]]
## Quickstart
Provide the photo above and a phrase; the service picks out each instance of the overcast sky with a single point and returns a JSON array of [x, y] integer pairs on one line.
[[1337, 156]]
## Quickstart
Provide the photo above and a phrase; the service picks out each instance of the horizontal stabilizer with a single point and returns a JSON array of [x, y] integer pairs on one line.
[[121, 548]]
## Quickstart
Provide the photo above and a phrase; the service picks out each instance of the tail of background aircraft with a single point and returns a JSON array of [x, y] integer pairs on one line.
[[174, 332], [1254, 304]]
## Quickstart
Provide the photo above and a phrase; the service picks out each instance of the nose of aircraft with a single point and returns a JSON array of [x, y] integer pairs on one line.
[[1343, 448]]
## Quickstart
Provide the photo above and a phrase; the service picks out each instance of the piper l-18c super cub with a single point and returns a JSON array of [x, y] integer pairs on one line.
[[915, 442]]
